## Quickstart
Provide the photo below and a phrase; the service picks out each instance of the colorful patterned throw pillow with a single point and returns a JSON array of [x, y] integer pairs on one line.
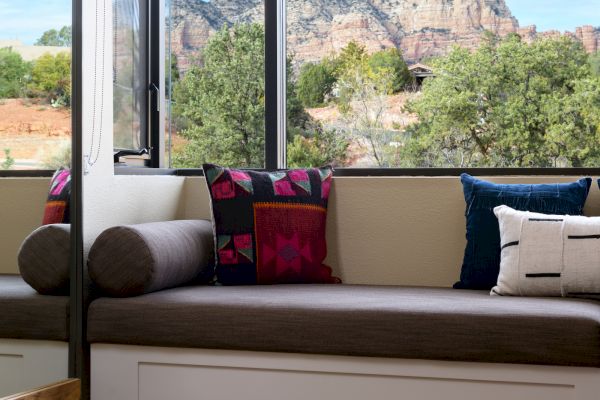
[[57, 205], [270, 226]]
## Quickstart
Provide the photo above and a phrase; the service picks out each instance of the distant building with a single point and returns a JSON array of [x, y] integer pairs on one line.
[[420, 72], [30, 53]]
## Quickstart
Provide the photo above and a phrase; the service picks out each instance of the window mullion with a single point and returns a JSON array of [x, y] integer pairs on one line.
[[281, 85], [275, 86], [156, 68]]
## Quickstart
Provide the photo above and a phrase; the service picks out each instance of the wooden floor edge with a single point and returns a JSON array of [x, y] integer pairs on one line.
[[69, 389]]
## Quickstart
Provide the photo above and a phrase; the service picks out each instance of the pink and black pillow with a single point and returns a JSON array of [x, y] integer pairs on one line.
[[57, 205], [270, 226]]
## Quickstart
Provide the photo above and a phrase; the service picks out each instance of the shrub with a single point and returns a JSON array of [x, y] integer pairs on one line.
[[51, 78], [13, 74], [315, 83]]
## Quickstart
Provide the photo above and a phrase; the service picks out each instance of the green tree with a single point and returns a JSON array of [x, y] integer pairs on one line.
[[392, 61], [51, 77], [508, 104], [219, 106], [53, 37], [173, 73], [223, 101], [362, 100], [297, 117], [315, 83], [349, 57], [13, 74]]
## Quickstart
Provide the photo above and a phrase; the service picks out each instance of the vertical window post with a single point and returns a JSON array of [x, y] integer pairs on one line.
[[78, 354], [156, 83], [275, 84]]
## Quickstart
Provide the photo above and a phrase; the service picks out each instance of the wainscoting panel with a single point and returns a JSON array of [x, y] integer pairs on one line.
[[152, 373]]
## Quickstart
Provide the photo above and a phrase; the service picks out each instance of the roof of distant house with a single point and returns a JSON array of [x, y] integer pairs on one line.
[[421, 70], [420, 66]]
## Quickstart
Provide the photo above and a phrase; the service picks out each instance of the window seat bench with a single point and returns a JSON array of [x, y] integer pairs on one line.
[[34, 335], [303, 341]]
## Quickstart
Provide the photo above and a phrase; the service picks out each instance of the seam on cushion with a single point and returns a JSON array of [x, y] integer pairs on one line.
[[522, 222], [562, 258]]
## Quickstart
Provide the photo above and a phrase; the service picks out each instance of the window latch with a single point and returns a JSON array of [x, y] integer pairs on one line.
[[154, 89]]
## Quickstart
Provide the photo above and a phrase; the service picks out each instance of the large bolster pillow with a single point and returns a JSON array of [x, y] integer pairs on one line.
[[548, 255], [43, 259], [136, 259]]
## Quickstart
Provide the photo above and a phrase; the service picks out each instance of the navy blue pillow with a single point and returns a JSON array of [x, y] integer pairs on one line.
[[481, 263]]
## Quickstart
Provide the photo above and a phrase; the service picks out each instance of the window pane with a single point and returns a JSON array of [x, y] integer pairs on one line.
[[35, 84], [443, 84], [129, 74], [216, 86]]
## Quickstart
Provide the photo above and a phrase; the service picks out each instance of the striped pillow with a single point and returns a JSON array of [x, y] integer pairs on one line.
[[548, 255]]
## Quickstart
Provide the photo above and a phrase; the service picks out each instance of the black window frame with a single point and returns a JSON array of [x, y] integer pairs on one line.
[[275, 107], [155, 94], [149, 15]]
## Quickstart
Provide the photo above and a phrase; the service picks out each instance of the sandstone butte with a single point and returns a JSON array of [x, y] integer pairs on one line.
[[319, 28]]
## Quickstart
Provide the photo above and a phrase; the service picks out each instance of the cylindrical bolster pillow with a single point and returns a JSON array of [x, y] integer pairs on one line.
[[44, 259], [137, 259]]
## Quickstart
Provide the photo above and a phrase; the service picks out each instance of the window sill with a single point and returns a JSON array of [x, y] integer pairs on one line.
[[37, 173], [440, 172]]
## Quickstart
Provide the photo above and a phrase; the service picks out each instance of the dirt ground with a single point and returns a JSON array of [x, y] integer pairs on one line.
[[32, 130], [394, 118]]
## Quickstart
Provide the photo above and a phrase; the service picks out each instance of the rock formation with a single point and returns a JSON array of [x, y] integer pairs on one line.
[[318, 28], [590, 37]]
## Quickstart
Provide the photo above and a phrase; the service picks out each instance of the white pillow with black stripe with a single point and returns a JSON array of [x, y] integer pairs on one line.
[[548, 255]]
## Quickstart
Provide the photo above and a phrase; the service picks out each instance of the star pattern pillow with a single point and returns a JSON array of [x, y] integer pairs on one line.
[[270, 226], [57, 205]]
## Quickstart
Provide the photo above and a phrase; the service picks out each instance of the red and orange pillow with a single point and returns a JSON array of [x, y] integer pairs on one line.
[[57, 204], [270, 226]]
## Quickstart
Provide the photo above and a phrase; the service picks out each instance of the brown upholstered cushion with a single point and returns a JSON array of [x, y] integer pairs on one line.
[[44, 259], [440, 324], [136, 259], [25, 314]]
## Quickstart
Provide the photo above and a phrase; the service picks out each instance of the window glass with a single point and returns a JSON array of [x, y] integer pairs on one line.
[[129, 74], [215, 82], [437, 83], [35, 84]]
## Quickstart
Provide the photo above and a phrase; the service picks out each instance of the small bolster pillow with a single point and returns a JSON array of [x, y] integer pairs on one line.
[[44, 259], [548, 255], [133, 260]]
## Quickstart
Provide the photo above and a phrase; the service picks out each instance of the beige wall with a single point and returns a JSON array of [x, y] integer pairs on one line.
[[392, 230], [122, 200], [380, 230], [22, 203]]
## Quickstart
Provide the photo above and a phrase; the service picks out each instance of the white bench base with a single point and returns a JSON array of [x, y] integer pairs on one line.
[[27, 364], [120, 372]]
